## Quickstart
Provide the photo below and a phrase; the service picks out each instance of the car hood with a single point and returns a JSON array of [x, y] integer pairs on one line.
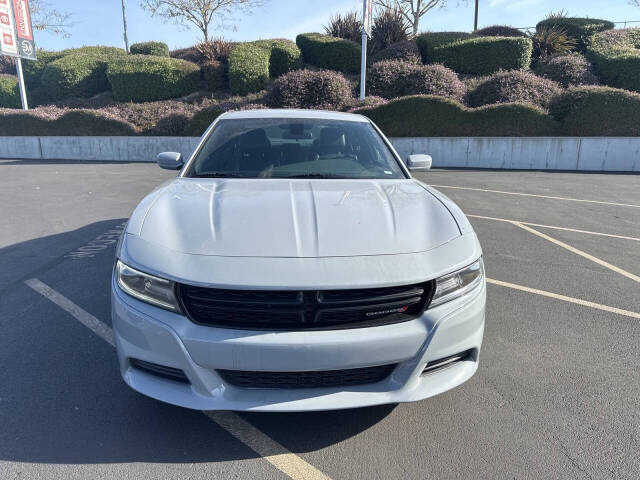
[[293, 218]]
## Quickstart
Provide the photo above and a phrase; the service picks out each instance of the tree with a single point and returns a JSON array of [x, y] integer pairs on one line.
[[45, 18], [412, 10], [198, 12]]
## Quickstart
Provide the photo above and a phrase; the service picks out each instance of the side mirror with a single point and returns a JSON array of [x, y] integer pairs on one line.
[[170, 160], [419, 163]]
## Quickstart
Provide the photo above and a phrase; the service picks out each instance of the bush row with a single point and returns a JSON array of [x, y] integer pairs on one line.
[[252, 63], [579, 111], [308, 89], [80, 122], [474, 55], [329, 52], [615, 55]]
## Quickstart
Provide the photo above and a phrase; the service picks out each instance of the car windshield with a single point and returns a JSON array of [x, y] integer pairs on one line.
[[294, 148]]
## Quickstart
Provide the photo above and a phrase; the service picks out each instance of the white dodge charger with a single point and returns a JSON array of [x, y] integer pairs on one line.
[[294, 264]]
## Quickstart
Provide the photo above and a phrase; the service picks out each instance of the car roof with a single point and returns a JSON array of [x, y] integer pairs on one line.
[[294, 113]]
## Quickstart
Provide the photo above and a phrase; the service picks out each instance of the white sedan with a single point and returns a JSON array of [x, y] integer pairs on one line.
[[294, 264]]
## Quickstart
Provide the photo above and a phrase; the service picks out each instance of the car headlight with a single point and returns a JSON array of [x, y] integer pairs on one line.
[[154, 290], [456, 284]]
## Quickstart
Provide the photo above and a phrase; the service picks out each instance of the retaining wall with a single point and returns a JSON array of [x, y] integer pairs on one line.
[[539, 153]]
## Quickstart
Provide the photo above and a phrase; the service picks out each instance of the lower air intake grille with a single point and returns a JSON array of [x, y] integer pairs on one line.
[[304, 309], [317, 379], [159, 370]]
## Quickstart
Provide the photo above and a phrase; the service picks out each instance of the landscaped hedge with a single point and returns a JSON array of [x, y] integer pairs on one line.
[[580, 29], [9, 92], [431, 116], [513, 87], [76, 122], [143, 78], [476, 55], [252, 63], [309, 89], [615, 55], [395, 78], [159, 49], [32, 70], [329, 52], [430, 41], [598, 111], [75, 75]]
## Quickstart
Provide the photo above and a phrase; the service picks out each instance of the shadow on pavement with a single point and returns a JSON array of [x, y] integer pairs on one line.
[[61, 396]]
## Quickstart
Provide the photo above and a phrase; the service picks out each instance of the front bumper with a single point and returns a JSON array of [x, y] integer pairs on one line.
[[151, 334]]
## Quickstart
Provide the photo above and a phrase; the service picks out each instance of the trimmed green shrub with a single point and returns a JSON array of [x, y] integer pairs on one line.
[[598, 111], [159, 49], [215, 75], [143, 78], [430, 41], [395, 78], [9, 92], [329, 52], [500, 31], [567, 70], [309, 89], [431, 116], [75, 75], [32, 70], [284, 56], [513, 87], [580, 29], [477, 55], [615, 55], [406, 50], [80, 122], [252, 63]]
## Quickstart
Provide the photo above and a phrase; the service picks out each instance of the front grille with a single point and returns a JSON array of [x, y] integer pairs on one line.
[[318, 379], [304, 309]]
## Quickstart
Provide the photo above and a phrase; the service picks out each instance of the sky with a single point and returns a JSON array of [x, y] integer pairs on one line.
[[99, 22]]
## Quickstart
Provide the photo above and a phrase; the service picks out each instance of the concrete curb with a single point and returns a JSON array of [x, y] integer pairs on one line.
[[539, 153]]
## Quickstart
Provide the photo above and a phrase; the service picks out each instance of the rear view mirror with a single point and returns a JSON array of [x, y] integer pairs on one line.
[[170, 160], [419, 163]]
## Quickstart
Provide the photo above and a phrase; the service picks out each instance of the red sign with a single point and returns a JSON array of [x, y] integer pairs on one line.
[[23, 19], [4, 19]]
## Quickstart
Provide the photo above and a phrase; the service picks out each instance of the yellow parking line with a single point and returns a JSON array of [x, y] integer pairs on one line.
[[580, 252], [273, 452], [611, 235], [539, 196], [564, 298]]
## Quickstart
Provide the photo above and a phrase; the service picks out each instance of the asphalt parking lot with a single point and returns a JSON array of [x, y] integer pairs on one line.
[[557, 394]]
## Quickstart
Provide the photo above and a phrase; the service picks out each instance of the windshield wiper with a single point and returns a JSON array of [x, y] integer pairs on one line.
[[315, 175]]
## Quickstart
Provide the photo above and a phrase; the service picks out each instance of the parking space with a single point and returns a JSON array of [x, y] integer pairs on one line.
[[556, 394]]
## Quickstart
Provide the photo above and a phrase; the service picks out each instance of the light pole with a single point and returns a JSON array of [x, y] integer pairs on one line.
[[475, 19], [124, 22]]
